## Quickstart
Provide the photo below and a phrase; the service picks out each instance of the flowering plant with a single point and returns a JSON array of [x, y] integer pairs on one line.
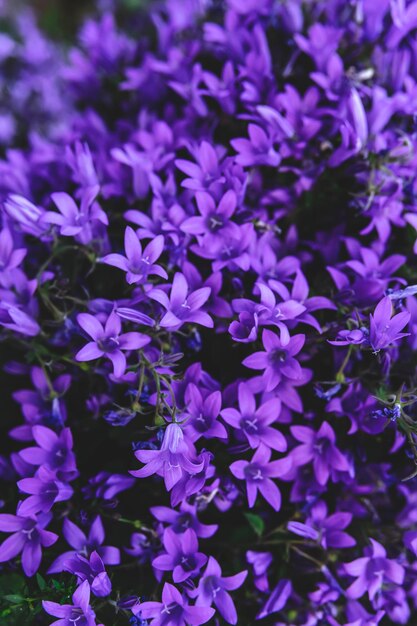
[[208, 315]]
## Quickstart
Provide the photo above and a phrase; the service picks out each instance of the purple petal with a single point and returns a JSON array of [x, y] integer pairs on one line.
[[90, 352], [12, 546]]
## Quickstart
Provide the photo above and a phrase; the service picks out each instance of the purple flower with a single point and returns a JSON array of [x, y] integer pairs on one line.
[[202, 414], [29, 536], [13, 318], [245, 329], [172, 461], [190, 485], [79, 612], [372, 572], [214, 220], [142, 547], [278, 360], [213, 589], [260, 562], [258, 473], [191, 91], [173, 610], [42, 404], [257, 150], [269, 312], [255, 423], [299, 294], [205, 173], [327, 531], [85, 545], [45, 490], [107, 485], [181, 555], [182, 306], [138, 264], [77, 222], [384, 329], [91, 570], [353, 337], [320, 448], [183, 519], [231, 251], [277, 600], [54, 451], [26, 214], [321, 43], [10, 257], [107, 341]]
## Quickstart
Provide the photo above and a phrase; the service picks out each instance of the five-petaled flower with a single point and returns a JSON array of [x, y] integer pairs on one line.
[[108, 341], [138, 264], [258, 474], [173, 610]]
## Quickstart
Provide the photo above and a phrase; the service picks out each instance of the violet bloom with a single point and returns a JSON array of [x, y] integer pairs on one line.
[[26, 214], [10, 257], [202, 414], [277, 599], [269, 311], [182, 307], [230, 250], [172, 461], [372, 572], [108, 341], [189, 485], [13, 318], [213, 589], [354, 337], [173, 610], [320, 448], [260, 562], [54, 451], [327, 531], [45, 490], [79, 612], [245, 329], [255, 423], [107, 485], [91, 570], [142, 547], [278, 360], [85, 545], [385, 329], [259, 149], [42, 404], [29, 536], [214, 220], [138, 264], [182, 557], [300, 294], [357, 615], [74, 221], [205, 172], [258, 473], [183, 519]]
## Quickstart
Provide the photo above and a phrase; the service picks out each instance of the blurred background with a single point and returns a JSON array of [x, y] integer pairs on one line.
[[62, 18]]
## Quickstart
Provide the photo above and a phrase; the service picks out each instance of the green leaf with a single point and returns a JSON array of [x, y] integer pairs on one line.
[[41, 582], [256, 523], [14, 598]]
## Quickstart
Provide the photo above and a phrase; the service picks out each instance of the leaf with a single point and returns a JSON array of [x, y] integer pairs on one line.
[[14, 598], [41, 582], [256, 523]]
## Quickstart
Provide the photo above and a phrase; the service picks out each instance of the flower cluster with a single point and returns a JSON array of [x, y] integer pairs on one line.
[[208, 315]]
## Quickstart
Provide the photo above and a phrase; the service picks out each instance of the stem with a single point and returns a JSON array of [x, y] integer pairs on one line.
[[340, 376]]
